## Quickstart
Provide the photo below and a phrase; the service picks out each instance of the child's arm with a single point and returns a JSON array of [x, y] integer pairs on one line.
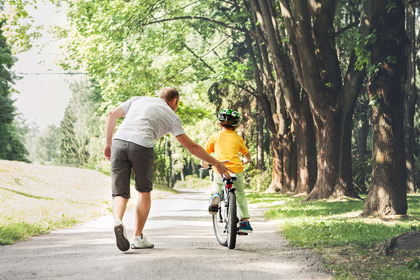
[[204, 164], [247, 158]]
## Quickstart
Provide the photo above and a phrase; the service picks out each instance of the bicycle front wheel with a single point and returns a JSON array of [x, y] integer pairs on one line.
[[232, 221]]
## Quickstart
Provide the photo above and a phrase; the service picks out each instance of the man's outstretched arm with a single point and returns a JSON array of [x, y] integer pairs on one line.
[[199, 152], [109, 129]]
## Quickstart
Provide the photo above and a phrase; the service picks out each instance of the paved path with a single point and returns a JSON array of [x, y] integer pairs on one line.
[[185, 248]]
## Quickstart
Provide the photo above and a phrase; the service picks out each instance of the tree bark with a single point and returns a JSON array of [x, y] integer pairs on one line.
[[387, 194], [306, 149], [260, 138], [277, 175], [410, 99]]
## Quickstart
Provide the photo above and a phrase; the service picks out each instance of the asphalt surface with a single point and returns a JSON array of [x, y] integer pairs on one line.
[[185, 248]]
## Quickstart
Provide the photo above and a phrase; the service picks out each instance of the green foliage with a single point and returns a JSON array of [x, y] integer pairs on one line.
[[44, 146], [361, 144], [363, 54], [11, 141], [259, 180], [19, 26], [81, 128], [362, 169]]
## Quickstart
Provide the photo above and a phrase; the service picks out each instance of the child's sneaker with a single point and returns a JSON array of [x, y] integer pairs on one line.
[[140, 242], [214, 203], [121, 236], [245, 227]]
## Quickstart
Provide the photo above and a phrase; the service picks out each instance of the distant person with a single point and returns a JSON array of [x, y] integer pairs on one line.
[[145, 120], [227, 145]]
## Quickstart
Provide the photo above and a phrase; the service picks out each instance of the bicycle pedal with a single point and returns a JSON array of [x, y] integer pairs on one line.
[[242, 233], [213, 209]]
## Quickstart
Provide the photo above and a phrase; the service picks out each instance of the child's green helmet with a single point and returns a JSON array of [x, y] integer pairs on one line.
[[229, 117]]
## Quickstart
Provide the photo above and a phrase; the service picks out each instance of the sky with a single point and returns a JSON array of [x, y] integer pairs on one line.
[[43, 97]]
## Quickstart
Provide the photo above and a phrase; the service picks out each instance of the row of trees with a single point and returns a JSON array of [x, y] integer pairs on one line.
[[304, 74]]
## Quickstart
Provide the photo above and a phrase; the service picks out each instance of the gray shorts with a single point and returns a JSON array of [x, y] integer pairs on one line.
[[127, 156]]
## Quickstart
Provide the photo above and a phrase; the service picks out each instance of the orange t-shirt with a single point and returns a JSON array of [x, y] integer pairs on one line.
[[226, 145]]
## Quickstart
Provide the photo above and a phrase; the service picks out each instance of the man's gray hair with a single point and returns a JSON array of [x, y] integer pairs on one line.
[[168, 93]]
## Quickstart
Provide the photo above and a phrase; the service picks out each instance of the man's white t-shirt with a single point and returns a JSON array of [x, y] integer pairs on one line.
[[147, 119]]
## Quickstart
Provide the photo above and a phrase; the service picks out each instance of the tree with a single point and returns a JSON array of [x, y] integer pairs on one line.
[[11, 142], [387, 194], [82, 127], [410, 99], [43, 146]]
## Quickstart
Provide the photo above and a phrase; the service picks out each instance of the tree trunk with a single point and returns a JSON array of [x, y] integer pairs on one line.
[[387, 194], [334, 156], [410, 99], [409, 112], [328, 148], [289, 163], [277, 175], [306, 150], [182, 175], [260, 137], [345, 164]]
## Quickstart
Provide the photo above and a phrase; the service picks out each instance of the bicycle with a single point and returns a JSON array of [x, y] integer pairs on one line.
[[225, 222]]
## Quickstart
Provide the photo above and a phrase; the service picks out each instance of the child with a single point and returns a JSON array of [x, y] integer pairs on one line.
[[226, 146]]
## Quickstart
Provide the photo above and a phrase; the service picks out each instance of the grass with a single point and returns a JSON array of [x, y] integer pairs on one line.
[[352, 245], [36, 199]]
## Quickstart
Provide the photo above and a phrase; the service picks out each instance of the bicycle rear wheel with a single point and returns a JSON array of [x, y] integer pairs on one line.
[[219, 224], [232, 221]]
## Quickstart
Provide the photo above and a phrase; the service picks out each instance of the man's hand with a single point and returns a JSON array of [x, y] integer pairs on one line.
[[222, 169], [107, 152]]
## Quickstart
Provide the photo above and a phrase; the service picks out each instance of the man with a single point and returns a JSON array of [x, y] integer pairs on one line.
[[145, 120]]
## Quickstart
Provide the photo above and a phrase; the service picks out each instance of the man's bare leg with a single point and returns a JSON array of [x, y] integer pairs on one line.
[[144, 203], [119, 204]]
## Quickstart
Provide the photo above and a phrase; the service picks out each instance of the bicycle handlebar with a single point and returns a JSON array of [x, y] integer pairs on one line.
[[209, 168]]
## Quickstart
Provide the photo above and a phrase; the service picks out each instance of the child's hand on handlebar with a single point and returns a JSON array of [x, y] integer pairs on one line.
[[205, 165], [245, 161]]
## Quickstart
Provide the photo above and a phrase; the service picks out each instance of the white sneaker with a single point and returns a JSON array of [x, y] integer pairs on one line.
[[214, 203], [140, 242], [121, 236]]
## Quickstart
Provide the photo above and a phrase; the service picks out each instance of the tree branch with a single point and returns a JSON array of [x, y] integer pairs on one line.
[[344, 29], [199, 58], [253, 34]]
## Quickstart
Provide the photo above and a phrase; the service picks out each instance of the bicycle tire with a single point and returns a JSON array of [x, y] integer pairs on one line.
[[232, 221], [219, 226]]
